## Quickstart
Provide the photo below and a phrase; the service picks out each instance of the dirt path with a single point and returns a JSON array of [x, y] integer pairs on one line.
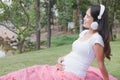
[[54, 33]]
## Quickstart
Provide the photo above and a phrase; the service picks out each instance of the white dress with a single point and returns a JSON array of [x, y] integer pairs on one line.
[[82, 54]]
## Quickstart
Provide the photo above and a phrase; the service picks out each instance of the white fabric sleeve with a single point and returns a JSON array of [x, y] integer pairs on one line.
[[82, 33], [99, 40]]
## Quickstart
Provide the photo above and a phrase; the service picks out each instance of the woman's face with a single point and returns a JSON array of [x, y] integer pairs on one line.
[[88, 19]]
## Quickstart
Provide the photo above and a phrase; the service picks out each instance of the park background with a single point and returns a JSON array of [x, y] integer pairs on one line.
[[36, 32]]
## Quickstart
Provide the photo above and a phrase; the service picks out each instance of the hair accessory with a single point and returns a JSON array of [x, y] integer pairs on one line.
[[102, 9]]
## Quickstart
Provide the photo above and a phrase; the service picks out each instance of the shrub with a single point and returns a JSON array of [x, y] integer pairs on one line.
[[63, 40]]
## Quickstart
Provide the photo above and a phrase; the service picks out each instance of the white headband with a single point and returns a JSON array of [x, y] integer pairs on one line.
[[102, 9]]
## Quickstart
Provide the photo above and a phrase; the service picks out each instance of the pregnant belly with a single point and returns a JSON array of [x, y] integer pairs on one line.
[[71, 64]]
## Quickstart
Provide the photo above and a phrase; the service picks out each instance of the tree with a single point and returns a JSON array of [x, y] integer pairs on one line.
[[38, 27], [113, 6], [17, 14], [49, 23], [65, 12], [66, 9], [80, 16], [114, 9]]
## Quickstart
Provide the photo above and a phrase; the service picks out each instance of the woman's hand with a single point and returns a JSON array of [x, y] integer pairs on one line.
[[59, 64]]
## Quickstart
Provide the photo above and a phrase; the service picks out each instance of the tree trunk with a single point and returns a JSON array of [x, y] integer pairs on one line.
[[113, 20], [80, 16], [49, 24], [75, 18], [38, 27], [20, 46]]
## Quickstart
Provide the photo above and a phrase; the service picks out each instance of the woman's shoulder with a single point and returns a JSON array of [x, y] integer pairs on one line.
[[97, 38]]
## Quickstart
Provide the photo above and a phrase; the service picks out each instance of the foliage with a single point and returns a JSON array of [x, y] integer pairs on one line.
[[66, 7], [117, 8], [18, 15]]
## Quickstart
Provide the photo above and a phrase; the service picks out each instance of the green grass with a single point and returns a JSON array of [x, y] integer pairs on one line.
[[49, 56], [63, 40]]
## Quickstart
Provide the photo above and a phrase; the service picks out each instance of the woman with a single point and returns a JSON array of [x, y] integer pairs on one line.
[[95, 42], [92, 43]]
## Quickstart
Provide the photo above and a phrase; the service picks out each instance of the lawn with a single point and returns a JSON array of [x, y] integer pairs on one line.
[[49, 56]]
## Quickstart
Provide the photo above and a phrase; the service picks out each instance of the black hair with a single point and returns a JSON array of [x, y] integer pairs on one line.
[[103, 28]]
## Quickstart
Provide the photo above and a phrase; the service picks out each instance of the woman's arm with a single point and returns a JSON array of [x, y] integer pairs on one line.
[[99, 52]]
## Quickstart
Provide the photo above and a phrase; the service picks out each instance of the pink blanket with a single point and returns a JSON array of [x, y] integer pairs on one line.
[[46, 72]]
